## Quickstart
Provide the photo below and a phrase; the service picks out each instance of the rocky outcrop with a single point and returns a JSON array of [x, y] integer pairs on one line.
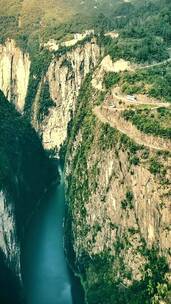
[[14, 73], [65, 76], [107, 66], [52, 45], [149, 213]]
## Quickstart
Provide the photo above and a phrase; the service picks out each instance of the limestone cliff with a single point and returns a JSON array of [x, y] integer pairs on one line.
[[65, 76], [14, 73], [119, 211]]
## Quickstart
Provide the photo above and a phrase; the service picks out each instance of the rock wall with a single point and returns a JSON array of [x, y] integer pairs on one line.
[[119, 212], [14, 73], [65, 76]]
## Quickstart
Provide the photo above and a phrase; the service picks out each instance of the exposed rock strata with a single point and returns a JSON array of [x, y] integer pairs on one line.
[[14, 73], [65, 76], [119, 209]]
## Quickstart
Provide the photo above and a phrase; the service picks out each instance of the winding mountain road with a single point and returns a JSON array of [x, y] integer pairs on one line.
[[112, 117], [153, 65]]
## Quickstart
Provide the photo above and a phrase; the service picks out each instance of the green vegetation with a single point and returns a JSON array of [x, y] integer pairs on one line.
[[153, 18], [79, 192], [110, 79], [100, 98], [145, 31], [154, 122], [149, 49], [46, 102], [67, 63], [39, 65], [127, 203], [107, 287], [28, 21], [108, 137], [156, 167], [155, 284], [155, 82], [103, 275], [144, 27], [79, 186]]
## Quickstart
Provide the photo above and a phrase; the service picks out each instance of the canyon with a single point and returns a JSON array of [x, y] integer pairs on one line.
[[118, 217]]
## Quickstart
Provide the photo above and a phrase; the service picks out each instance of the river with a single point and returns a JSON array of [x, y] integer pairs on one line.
[[46, 277]]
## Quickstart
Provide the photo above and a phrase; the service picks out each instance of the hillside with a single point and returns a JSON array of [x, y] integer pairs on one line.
[[30, 23], [118, 189], [26, 19]]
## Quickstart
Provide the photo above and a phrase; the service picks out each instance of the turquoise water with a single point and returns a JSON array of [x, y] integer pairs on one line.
[[45, 272]]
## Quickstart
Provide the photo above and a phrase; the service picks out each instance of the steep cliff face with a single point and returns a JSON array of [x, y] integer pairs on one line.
[[119, 211], [65, 76], [8, 237], [14, 73], [25, 171]]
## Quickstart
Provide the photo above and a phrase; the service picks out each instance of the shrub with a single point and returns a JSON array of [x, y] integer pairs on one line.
[[110, 79]]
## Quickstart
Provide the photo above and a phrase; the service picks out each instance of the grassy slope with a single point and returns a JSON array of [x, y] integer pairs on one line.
[[29, 23], [50, 13], [155, 122]]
